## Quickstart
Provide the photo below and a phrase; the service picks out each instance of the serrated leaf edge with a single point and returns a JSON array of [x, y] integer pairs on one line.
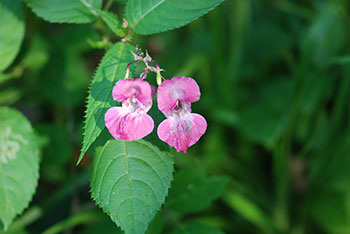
[[155, 148]]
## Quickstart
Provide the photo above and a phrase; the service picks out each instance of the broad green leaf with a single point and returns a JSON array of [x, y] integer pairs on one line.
[[130, 181], [64, 11], [19, 164], [111, 69], [196, 228], [154, 16], [193, 191], [12, 31]]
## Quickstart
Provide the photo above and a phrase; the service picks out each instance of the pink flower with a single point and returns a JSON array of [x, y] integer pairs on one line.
[[130, 121], [182, 128]]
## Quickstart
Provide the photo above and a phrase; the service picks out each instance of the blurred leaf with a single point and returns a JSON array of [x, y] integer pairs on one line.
[[63, 11], [37, 55], [57, 151], [111, 69], [193, 191], [195, 228], [269, 47], [66, 78], [154, 16], [331, 168], [19, 164], [12, 31], [341, 60], [331, 210], [104, 224], [156, 226], [263, 120], [326, 36], [121, 1], [250, 211], [5, 77], [129, 182], [73, 38], [9, 96]]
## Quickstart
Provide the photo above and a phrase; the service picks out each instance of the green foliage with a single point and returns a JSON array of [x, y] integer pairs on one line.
[[193, 191], [64, 11], [111, 20], [337, 204], [195, 228], [11, 36], [263, 120], [130, 181], [110, 70], [154, 16], [19, 164], [275, 90]]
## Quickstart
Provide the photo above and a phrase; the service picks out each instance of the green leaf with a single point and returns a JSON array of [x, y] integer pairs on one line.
[[250, 211], [111, 20], [64, 11], [154, 16], [12, 31], [196, 228], [331, 210], [264, 119], [111, 69], [19, 164], [130, 181], [193, 191]]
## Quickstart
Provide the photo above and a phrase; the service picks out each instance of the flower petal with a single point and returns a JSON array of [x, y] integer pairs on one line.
[[128, 126], [184, 89], [168, 132], [182, 133], [199, 126], [114, 121], [127, 88], [138, 126]]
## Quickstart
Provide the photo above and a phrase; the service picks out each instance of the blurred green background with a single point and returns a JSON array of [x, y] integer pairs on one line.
[[275, 84]]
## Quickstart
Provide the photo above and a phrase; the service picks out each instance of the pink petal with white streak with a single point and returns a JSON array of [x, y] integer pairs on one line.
[[126, 125], [184, 89], [127, 88], [182, 133]]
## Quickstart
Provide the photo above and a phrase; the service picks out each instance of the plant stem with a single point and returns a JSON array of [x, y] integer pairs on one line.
[[73, 221]]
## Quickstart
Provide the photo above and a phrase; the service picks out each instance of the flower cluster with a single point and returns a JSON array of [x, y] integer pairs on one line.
[[181, 128]]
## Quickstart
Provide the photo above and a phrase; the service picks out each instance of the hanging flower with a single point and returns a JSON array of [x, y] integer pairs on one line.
[[182, 128], [130, 121]]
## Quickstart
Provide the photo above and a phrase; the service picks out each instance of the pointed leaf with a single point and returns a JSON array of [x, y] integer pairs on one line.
[[19, 164], [64, 11], [12, 31], [154, 16], [110, 19], [111, 69], [130, 181]]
